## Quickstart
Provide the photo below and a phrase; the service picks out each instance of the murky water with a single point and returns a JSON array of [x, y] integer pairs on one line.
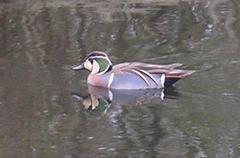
[[45, 108]]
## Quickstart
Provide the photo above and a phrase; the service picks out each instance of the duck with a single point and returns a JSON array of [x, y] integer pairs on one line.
[[129, 75]]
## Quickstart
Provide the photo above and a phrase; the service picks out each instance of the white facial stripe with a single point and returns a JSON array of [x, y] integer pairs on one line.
[[110, 80], [102, 57], [95, 67]]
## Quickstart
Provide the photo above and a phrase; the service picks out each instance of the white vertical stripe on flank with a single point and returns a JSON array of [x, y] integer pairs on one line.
[[110, 80], [162, 80]]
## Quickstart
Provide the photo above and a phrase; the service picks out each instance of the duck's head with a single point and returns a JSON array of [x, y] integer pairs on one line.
[[96, 62]]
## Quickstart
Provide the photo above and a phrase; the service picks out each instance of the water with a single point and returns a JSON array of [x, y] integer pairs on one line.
[[42, 112]]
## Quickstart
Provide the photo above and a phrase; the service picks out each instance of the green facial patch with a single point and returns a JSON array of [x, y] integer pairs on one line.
[[103, 64]]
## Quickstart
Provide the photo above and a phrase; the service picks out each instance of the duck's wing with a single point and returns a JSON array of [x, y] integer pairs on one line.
[[172, 73], [146, 69], [146, 65]]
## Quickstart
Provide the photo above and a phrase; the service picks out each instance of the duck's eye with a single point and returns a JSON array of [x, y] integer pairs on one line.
[[91, 60]]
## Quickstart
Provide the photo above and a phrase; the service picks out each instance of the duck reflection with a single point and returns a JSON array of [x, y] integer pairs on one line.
[[101, 99]]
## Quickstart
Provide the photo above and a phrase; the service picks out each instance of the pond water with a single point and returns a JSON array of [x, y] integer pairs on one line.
[[45, 107]]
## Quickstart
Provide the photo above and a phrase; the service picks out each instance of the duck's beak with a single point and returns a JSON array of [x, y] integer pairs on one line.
[[78, 67]]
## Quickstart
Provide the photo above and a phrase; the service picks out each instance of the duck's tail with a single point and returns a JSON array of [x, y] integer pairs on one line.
[[174, 75], [177, 73]]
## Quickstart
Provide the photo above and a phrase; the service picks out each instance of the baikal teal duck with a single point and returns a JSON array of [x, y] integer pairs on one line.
[[129, 75]]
